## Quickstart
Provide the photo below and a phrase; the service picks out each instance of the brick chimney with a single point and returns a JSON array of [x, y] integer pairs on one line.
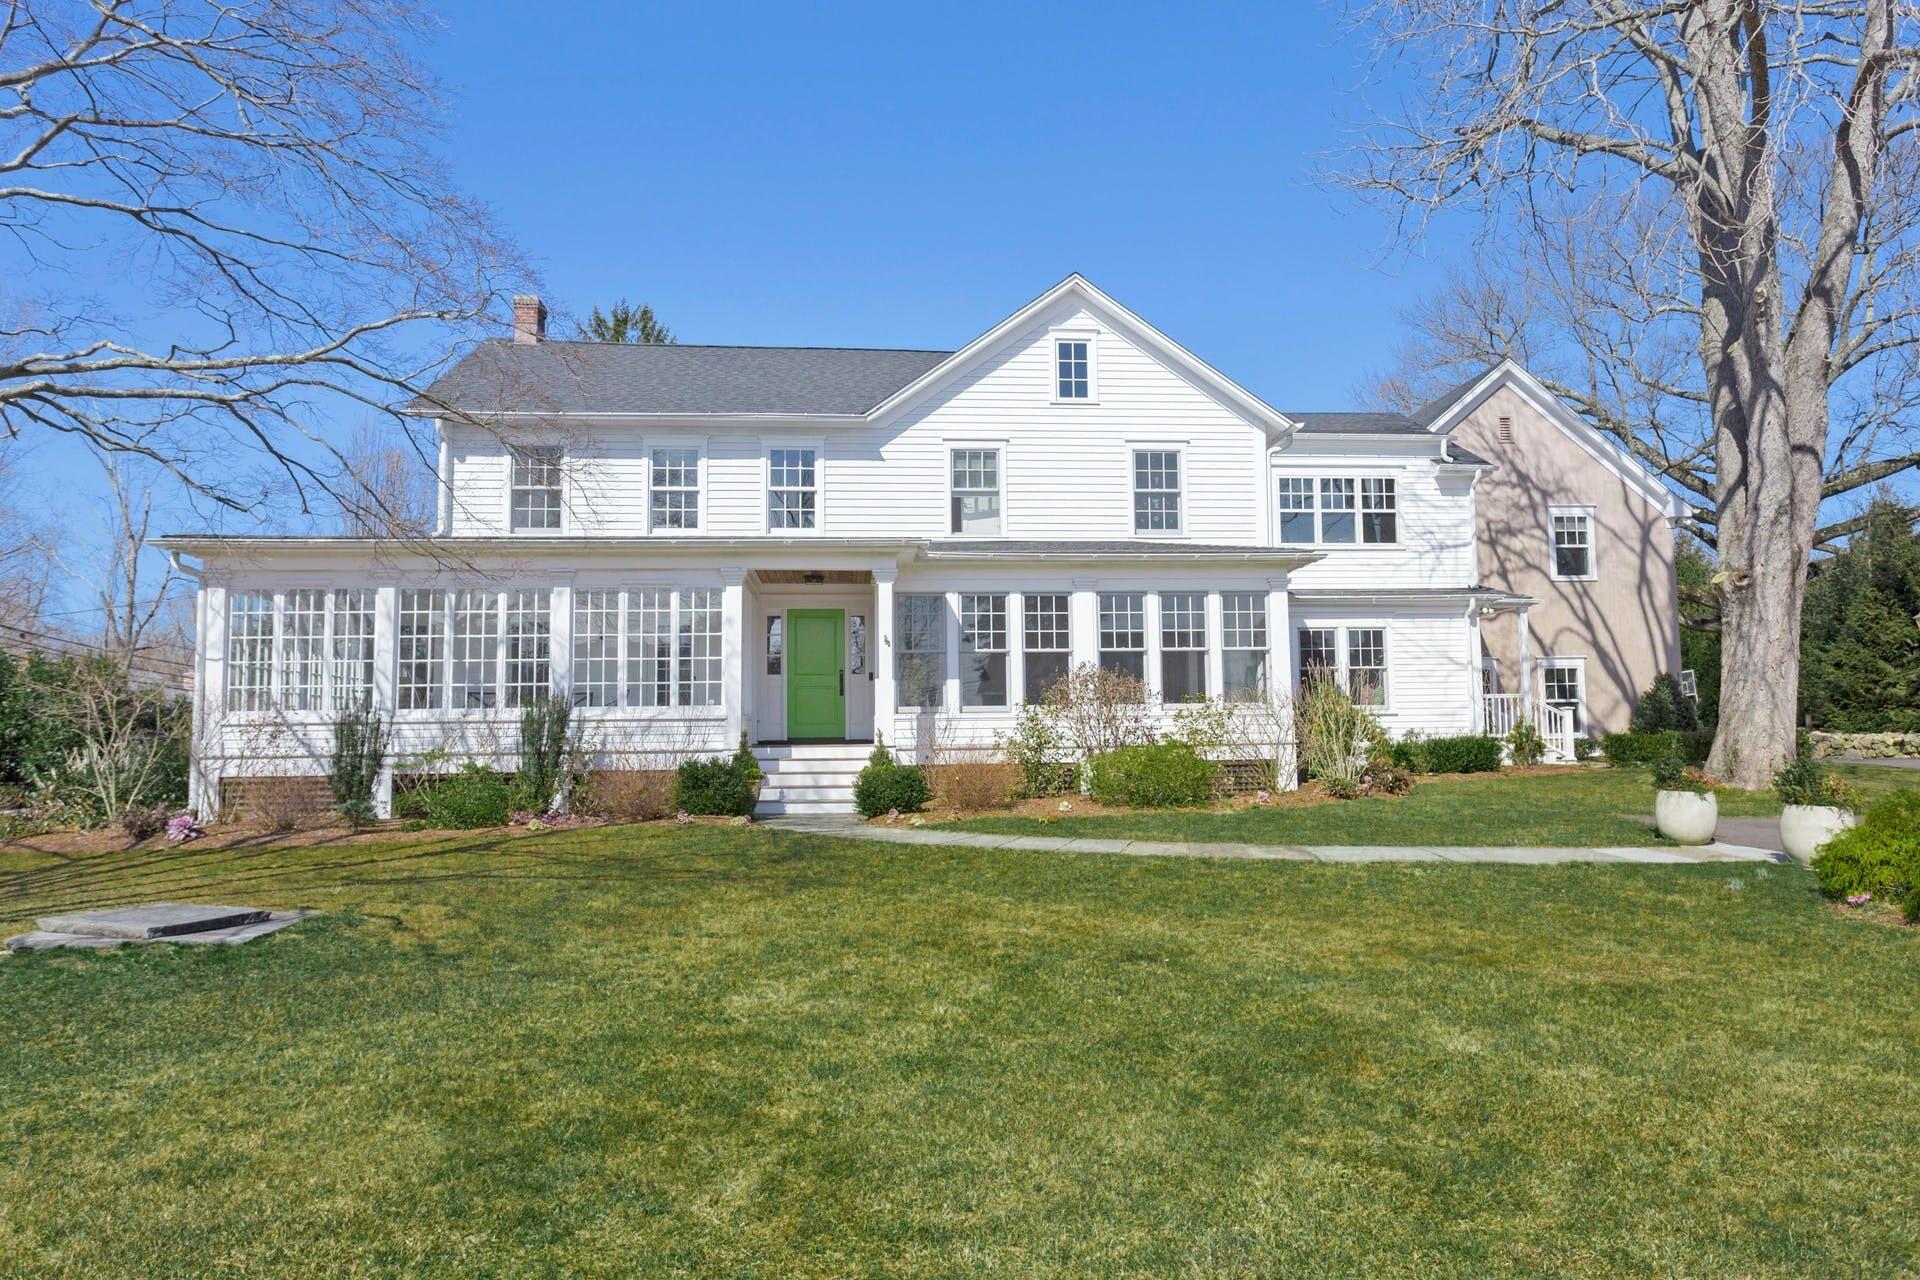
[[529, 318]]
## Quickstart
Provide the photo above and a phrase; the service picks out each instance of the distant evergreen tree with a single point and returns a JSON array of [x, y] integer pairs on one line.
[[1860, 642], [1699, 627], [623, 323]]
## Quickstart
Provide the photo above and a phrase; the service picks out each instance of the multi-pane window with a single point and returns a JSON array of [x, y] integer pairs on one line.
[[1156, 491], [1243, 634], [1339, 509], [1297, 509], [351, 619], [983, 651], [1319, 654], [528, 673], [920, 675], [535, 488], [1183, 645], [1379, 514], [674, 489], [650, 647], [976, 491], [420, 649], [697, 664], [1367, 666], [1073, 369], [776, 642], [856, 644], [1123, 633], [1048, 650], [1560, 687], [250, 632], [473, 644], [793, 492], [596, 648], [1573, 544], [1336, 509], [303, 646]]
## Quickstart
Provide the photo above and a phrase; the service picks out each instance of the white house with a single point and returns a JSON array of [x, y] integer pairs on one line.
[[809, 545]]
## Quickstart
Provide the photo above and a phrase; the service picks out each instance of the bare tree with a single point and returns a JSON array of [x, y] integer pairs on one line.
[[129, 607], [1721, 199], [389, 490], [26, 554], [258, 180]]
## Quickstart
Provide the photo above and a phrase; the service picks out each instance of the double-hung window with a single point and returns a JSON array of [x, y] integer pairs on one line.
[[793, 490], [596, 648], [1073, 369], [1183, 645], [534, 503], [1572, 543], [350, 617], [420, 649], [697, 662], [1297, 510], [474, 640], [1563, 685], [1048, 648], [1336, 509], [309, 650], [674, 489], [672, 647], [1379, 511], [1353, 657], [1156, 491], [528, 673], [1243, 618], [983, 651], [920, 673], [1123, 634], [303, 642], [250, 636], [976, 491], [1319, 654]]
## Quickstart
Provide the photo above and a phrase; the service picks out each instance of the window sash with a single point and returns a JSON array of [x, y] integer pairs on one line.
[[1367, 666], [534, 488], [303, 647], [1379, 511], [793, 488], [350, 621], [527, 667], [1298, 512], [252, 625], [975, 475], [596, 648], [674, 489], [1243, 642], [1072, 369], [920, 670], [1156, 491], [1337, 509], [1573, 545], [420, 649], [983, 650]]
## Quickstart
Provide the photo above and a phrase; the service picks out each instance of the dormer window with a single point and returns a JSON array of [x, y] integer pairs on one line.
[[534, 503], [1073, 369]]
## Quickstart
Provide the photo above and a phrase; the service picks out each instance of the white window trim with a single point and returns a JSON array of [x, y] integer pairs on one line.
[[953, 445], [1092, 338], [1007, 602], [1593, 544], [1359, 543], [566, 490], [1341, 666], [1576, 664], [1178, 448], [699, 446], [819, 488]]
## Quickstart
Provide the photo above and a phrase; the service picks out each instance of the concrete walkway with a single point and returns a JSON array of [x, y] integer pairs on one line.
[[848, 829]]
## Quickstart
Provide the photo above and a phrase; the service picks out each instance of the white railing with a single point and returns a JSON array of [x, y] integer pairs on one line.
[[1501, 711]]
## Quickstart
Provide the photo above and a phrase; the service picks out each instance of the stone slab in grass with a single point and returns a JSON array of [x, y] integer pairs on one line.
[[229, 935], [151, 920]]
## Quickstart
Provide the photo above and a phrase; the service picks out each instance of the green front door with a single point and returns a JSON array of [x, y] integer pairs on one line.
[[816, 680]]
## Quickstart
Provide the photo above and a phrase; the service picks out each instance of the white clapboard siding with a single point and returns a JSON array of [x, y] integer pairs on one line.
[[1435, 524]]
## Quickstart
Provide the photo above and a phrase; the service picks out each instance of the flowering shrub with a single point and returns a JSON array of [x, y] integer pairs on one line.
[[182, 828]]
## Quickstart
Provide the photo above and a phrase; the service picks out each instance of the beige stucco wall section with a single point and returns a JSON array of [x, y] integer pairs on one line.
[[1625, 623]]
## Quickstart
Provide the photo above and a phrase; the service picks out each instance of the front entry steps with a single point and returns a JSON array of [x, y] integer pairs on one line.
[[809, 777]]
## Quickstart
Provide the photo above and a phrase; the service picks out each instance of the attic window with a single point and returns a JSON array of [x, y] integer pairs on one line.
[[1506, 428], [1073, 369]]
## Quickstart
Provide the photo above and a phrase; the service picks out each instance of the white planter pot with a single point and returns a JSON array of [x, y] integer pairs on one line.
[[1684, 817], [1805, 827]]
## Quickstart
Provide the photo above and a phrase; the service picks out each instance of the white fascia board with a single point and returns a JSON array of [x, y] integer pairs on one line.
[[1274, 423], [1605, 450]]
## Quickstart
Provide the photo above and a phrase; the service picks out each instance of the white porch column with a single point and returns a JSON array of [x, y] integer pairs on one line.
[[1216, 646], [210, 695], [1083, 631], [881, 656], [386, 631], [1283, 678], [1016, 649], [1526, 668], [733, 650], [1151, 612], [1477, 702], [950, 700], [560, 639]]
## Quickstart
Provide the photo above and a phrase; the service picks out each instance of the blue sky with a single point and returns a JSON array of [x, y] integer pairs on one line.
[[904, 176]]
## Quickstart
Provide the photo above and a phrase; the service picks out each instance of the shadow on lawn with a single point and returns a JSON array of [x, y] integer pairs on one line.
[[101, 880]]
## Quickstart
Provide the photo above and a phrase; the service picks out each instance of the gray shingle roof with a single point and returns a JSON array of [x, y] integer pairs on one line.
[[1429, 413], [1357, 424], [614, 377]]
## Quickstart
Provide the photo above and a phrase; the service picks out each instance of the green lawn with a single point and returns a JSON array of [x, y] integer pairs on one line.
[[711, 1051], [1586, 808]]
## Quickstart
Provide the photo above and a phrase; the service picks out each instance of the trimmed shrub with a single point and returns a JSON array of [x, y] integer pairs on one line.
[[1584, 747], [359, 751], [713, 788], [1409, 752], [1165, 775], [1881, 856], [1664, 707], [1645, 748], [1463, 753], [474, 797], [885, 787], [1526, 744], [1671, 773]]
